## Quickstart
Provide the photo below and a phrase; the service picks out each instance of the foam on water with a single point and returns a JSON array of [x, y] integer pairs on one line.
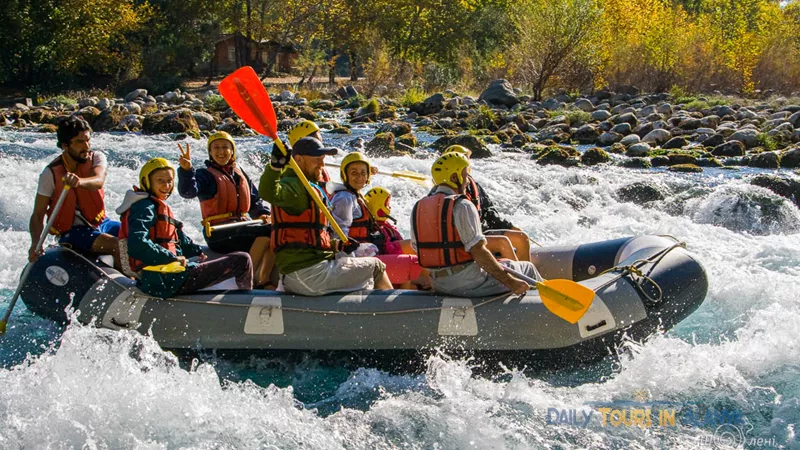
[[103, 389]]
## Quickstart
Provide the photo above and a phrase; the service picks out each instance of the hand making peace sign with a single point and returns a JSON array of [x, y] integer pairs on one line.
[[186, 157]]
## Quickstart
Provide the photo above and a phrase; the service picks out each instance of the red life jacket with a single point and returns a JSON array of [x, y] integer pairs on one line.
[[88, 201], [232, 199], [473, 194], [164, 232], [306, 230], [438, 242], [362, 227]]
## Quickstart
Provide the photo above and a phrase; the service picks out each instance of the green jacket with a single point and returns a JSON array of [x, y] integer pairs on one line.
[[142, 217], [285, 190]]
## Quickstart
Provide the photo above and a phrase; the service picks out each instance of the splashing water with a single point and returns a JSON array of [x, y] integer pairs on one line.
[[737, 353]]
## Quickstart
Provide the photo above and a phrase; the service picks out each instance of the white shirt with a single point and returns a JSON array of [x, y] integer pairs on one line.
[[47, 183], [345, 209], [465, 218]]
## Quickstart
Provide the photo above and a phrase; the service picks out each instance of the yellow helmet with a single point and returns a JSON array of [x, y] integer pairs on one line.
[[150, 167], [301, 130], [458, 149], [351, 158], [377, 200], [447, 165], [225, 136]]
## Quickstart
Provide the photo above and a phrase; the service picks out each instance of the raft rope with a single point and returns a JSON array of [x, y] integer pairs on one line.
[[638, 278]]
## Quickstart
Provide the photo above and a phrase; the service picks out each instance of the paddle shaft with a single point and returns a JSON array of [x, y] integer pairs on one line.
[[521, 276], [235, 225], [27, 270], [414, 176], [292, 163]]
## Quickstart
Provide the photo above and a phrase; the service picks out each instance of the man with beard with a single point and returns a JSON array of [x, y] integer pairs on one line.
[[81, 224], [305, 253]]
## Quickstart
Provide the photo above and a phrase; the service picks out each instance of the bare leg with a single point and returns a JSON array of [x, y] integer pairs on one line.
[[261, 256], [383, 282], [106, 244], [521, 243], [502, 245]]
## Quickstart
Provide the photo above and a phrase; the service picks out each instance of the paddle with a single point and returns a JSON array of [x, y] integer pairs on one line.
[[27, 270], [248, 98], [564, 298], [416, 177], [212, 228]]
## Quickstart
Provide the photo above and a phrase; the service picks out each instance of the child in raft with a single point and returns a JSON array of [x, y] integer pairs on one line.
[[351, 212], [154, 249]]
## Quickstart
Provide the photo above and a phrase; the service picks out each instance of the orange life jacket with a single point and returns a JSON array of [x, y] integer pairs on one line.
[[306, 230], [438, 242], [88, 201], [164, 232], [473, 194], [232, 199], [363, 227]]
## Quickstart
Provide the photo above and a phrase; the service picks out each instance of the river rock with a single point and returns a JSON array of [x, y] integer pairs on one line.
[[109, 118], [747, 137], [640, 193], [180, 121], [499, 92], [595, 156], [765, 160]]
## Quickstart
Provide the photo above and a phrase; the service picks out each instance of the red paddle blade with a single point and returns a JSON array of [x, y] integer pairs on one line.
[[248, 98]]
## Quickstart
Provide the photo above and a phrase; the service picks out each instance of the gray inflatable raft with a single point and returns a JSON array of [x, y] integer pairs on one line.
[[643, 284]]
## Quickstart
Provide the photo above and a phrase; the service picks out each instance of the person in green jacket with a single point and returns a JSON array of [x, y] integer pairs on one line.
[[308, 259], [154, 249]]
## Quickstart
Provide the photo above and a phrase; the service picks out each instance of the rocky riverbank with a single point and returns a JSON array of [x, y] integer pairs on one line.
[[640, 130]]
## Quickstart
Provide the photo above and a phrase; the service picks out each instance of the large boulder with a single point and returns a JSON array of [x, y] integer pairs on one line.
[[638, 150], [626, 118], [783, 186], [37, 116], [681, 158], [382, 145], [205, 121], [676, 142], [109, 118], [180, 121], [234, 127], [396, 128], [791, 159], [478, 148], [747, 137], [765, 160], [586, 134], [137, 93], [609, 138], [430, 105], [730, 148], [555, 155], [594, 156], [630, 139], [89, 113], [657, 137], [640, 193], [601, 115], [499, 92]]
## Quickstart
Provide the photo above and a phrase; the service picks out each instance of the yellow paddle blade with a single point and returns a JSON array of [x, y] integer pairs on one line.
[[565, 298], [173, 267]]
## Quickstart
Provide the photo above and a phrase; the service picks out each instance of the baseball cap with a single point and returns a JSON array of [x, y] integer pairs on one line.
[[309, 146]]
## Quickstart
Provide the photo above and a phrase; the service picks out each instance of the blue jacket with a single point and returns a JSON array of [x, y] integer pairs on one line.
[[200, 183]]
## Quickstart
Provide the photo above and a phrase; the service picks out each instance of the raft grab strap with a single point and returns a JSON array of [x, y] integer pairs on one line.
[[638, 278]]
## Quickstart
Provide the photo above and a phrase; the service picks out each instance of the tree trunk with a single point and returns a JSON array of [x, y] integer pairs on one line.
[[353, 67]]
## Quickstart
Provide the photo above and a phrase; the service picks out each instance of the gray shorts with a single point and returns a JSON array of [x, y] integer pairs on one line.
[[476, 282], [340, 275]]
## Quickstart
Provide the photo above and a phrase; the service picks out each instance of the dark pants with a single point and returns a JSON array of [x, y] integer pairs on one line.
[[233, 265], [237, 239]]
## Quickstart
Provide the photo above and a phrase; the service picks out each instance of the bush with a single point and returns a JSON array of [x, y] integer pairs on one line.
[[215, 102], [767, 142], [575, 117], [696, 105], [412, 96], [484, 117], [61, 99]]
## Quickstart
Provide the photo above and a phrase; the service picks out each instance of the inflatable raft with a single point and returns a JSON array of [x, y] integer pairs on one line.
[[643, 284]]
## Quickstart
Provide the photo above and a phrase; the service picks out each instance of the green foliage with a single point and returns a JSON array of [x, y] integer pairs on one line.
[[767, 142], [575, 117], [696, 105], [483, 117], [412, 96], [215, 102], [61, 100], [371, 106]]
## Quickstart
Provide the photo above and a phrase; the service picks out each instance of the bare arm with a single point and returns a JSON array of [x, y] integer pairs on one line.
[[36, 225], [484, 258]]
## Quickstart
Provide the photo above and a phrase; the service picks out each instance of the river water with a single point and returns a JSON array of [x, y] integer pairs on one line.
[[728, 373]]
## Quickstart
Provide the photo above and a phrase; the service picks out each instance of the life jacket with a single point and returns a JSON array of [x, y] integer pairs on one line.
[[473, 194], [88, 201], [164, 233], [232, 200], [309, 229], [363, 228], [438, 242]]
